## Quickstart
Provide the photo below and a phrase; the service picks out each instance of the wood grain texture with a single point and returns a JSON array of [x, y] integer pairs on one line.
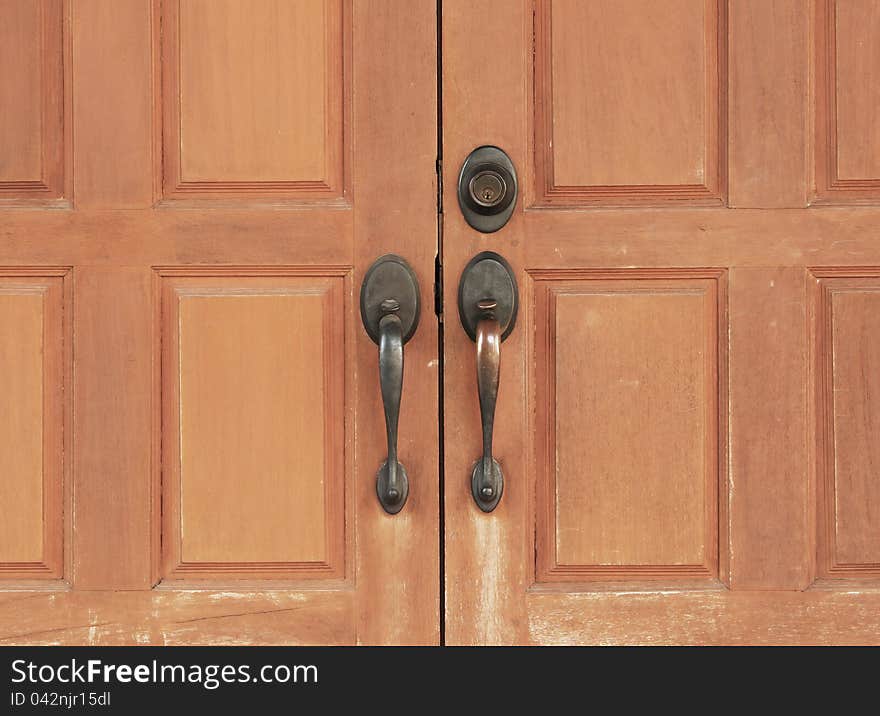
[[847, 57], [113, 157], [176, 618], [655, 238], [253, 97], [713, 617], [253, 384], [398, 557], [34, 365], [629, 102], [627, 379], [21, 459], [766, 592], [770, 532], [387, 588], [489, 559], [846, 352], [32, 141], [768, 103], [112, 413]]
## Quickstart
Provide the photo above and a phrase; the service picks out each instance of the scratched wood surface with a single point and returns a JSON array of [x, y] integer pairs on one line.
[[296, 208], [171, 617], [762, 428]]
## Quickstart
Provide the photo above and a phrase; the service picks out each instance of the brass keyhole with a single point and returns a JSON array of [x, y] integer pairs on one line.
[[488, 188]]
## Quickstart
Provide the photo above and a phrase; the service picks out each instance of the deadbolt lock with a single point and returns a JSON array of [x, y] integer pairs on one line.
[[487, 189]]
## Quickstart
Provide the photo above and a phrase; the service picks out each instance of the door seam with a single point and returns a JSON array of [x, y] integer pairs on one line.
[[438, 309]]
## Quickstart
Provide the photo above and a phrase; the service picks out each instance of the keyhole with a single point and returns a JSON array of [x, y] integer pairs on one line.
[[488, 188]]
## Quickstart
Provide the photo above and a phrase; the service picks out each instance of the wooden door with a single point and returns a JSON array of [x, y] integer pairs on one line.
[[190, 194], [687, 418]]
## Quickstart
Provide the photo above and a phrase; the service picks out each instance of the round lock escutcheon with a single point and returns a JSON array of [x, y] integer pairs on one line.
[[487, 189]]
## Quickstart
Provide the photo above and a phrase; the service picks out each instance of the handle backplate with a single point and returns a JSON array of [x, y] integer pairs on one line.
[[390, 278], [487, 277]]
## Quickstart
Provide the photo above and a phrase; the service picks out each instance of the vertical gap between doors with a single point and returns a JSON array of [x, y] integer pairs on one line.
[[438, 302]]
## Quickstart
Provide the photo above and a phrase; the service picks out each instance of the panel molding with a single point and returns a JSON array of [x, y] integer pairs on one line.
[[169, 567], [830, 188], [544, 286], [826, 281], [332, 189], [712, 192], [53, 284], [55, 147]]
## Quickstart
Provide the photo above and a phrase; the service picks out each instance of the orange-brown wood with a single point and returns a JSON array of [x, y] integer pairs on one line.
[[111, 534], [768, 110], [232, 344], [771, 442], [847, 100], [845, 351], [32, 120], [591, 144], [685, 418], [36, 373], [222, 422], [771, 535], [168, 617], [258, 111], [602, 339], [107, 36], [397, 557]]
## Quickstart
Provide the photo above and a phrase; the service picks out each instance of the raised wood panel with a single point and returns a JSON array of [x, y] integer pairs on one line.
[[32, 147], [33, 364], [629, 102], [628, 374], [847, 378], [847, 100], [254, 98], [253, 396]]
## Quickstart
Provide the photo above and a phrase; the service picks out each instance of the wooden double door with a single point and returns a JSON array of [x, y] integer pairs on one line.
[[688, 420]]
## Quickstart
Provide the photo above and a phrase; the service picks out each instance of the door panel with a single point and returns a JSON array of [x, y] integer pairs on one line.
[[34, 365], [277, 102], [253, 377], [672, 406], [31, 55], [845, 354], [847, 100], [673, 58], [622, 360], [231, 182]]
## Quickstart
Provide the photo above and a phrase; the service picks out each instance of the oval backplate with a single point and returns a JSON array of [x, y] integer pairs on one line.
[[390, 277], [487, 275]]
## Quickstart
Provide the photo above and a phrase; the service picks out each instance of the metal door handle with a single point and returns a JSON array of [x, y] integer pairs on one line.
[[488, 479], [487, 305], [390, 313]]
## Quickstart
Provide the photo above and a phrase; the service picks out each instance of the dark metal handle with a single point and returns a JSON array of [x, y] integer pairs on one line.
[[487, 480], [390, 313], [392, 485], [487, 306]]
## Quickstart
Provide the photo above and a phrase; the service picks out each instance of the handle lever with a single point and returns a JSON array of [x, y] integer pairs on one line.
[[487, 305], [392, 482], [487, 480], [390, 314]]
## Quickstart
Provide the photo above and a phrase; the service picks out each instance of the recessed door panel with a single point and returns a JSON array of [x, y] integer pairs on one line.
[[254, 477]]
